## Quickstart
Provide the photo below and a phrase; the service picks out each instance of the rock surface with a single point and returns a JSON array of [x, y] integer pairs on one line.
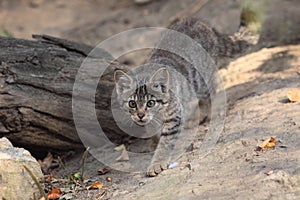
[[15, 182]]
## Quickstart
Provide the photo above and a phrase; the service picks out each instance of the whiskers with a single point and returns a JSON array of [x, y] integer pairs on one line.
[[155, 122], [153, 126], [129, 122]]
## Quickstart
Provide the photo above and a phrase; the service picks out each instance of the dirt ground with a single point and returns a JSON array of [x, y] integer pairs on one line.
[[257, 109], [257, 106]]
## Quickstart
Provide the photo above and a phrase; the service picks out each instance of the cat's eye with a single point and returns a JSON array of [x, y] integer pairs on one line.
[[155, 85], [150, 103], [132, 104]]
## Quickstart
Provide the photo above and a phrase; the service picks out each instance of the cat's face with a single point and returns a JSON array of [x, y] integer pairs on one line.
[[143, 100]]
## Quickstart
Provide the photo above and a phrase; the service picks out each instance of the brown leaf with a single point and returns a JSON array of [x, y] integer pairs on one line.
[[46, 163], [54, 193], [50, 177], [103, 171], [293, 95], [96, 185], [101, 194], [268, 143]]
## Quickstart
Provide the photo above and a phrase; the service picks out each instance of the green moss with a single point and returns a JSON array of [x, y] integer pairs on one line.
[[253, 14], [6, 33]]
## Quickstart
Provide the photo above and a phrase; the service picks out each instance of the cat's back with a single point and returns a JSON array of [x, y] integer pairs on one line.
[[201, 33], [216, 44]]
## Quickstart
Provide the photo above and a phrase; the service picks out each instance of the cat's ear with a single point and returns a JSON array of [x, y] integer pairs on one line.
[[160, 80], [123, 81]]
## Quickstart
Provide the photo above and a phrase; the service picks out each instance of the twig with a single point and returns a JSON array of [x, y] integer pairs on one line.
[[42, 192], [61, 163], [84, 156]]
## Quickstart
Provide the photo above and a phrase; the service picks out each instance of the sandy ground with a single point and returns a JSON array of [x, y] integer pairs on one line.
[[257, 106], [257, 109]]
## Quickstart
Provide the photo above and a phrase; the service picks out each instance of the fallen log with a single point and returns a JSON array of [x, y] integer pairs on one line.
[[36, 83]]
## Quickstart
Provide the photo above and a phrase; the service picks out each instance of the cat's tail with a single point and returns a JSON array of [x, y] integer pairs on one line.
[[242, 42], [229, 46]]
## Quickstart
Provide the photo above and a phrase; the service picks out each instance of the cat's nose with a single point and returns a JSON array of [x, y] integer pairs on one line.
[[141, 115]]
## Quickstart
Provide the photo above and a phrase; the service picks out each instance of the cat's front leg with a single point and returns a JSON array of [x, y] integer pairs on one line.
[[162, 155]]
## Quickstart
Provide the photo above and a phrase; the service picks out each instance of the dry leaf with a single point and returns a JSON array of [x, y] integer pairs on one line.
[[270, 142], [50, 177], [103, 171], [124, 156], [46, 163], [96, 185], [101, 194], [293, 95], [86, 180], [120, 147], [54, 193]]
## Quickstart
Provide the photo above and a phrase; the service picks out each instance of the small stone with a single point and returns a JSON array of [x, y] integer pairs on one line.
[[141, 183], [67, 196], [270, 172], [173, 165], [108, 179]]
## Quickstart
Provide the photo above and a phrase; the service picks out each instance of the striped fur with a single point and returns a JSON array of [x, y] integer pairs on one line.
[[173, 93]]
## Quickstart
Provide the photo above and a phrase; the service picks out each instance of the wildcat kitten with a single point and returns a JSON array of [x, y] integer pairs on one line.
[[168, 87]]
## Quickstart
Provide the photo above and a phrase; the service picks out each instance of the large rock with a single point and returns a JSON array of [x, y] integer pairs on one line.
[[15, 182]]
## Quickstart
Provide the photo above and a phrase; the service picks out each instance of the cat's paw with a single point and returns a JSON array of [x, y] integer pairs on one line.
[[155, 168]]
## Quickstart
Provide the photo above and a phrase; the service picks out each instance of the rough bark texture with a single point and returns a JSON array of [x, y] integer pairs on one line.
[[36, 83]]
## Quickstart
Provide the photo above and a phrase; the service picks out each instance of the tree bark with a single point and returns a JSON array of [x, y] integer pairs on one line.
[[36, 83]]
